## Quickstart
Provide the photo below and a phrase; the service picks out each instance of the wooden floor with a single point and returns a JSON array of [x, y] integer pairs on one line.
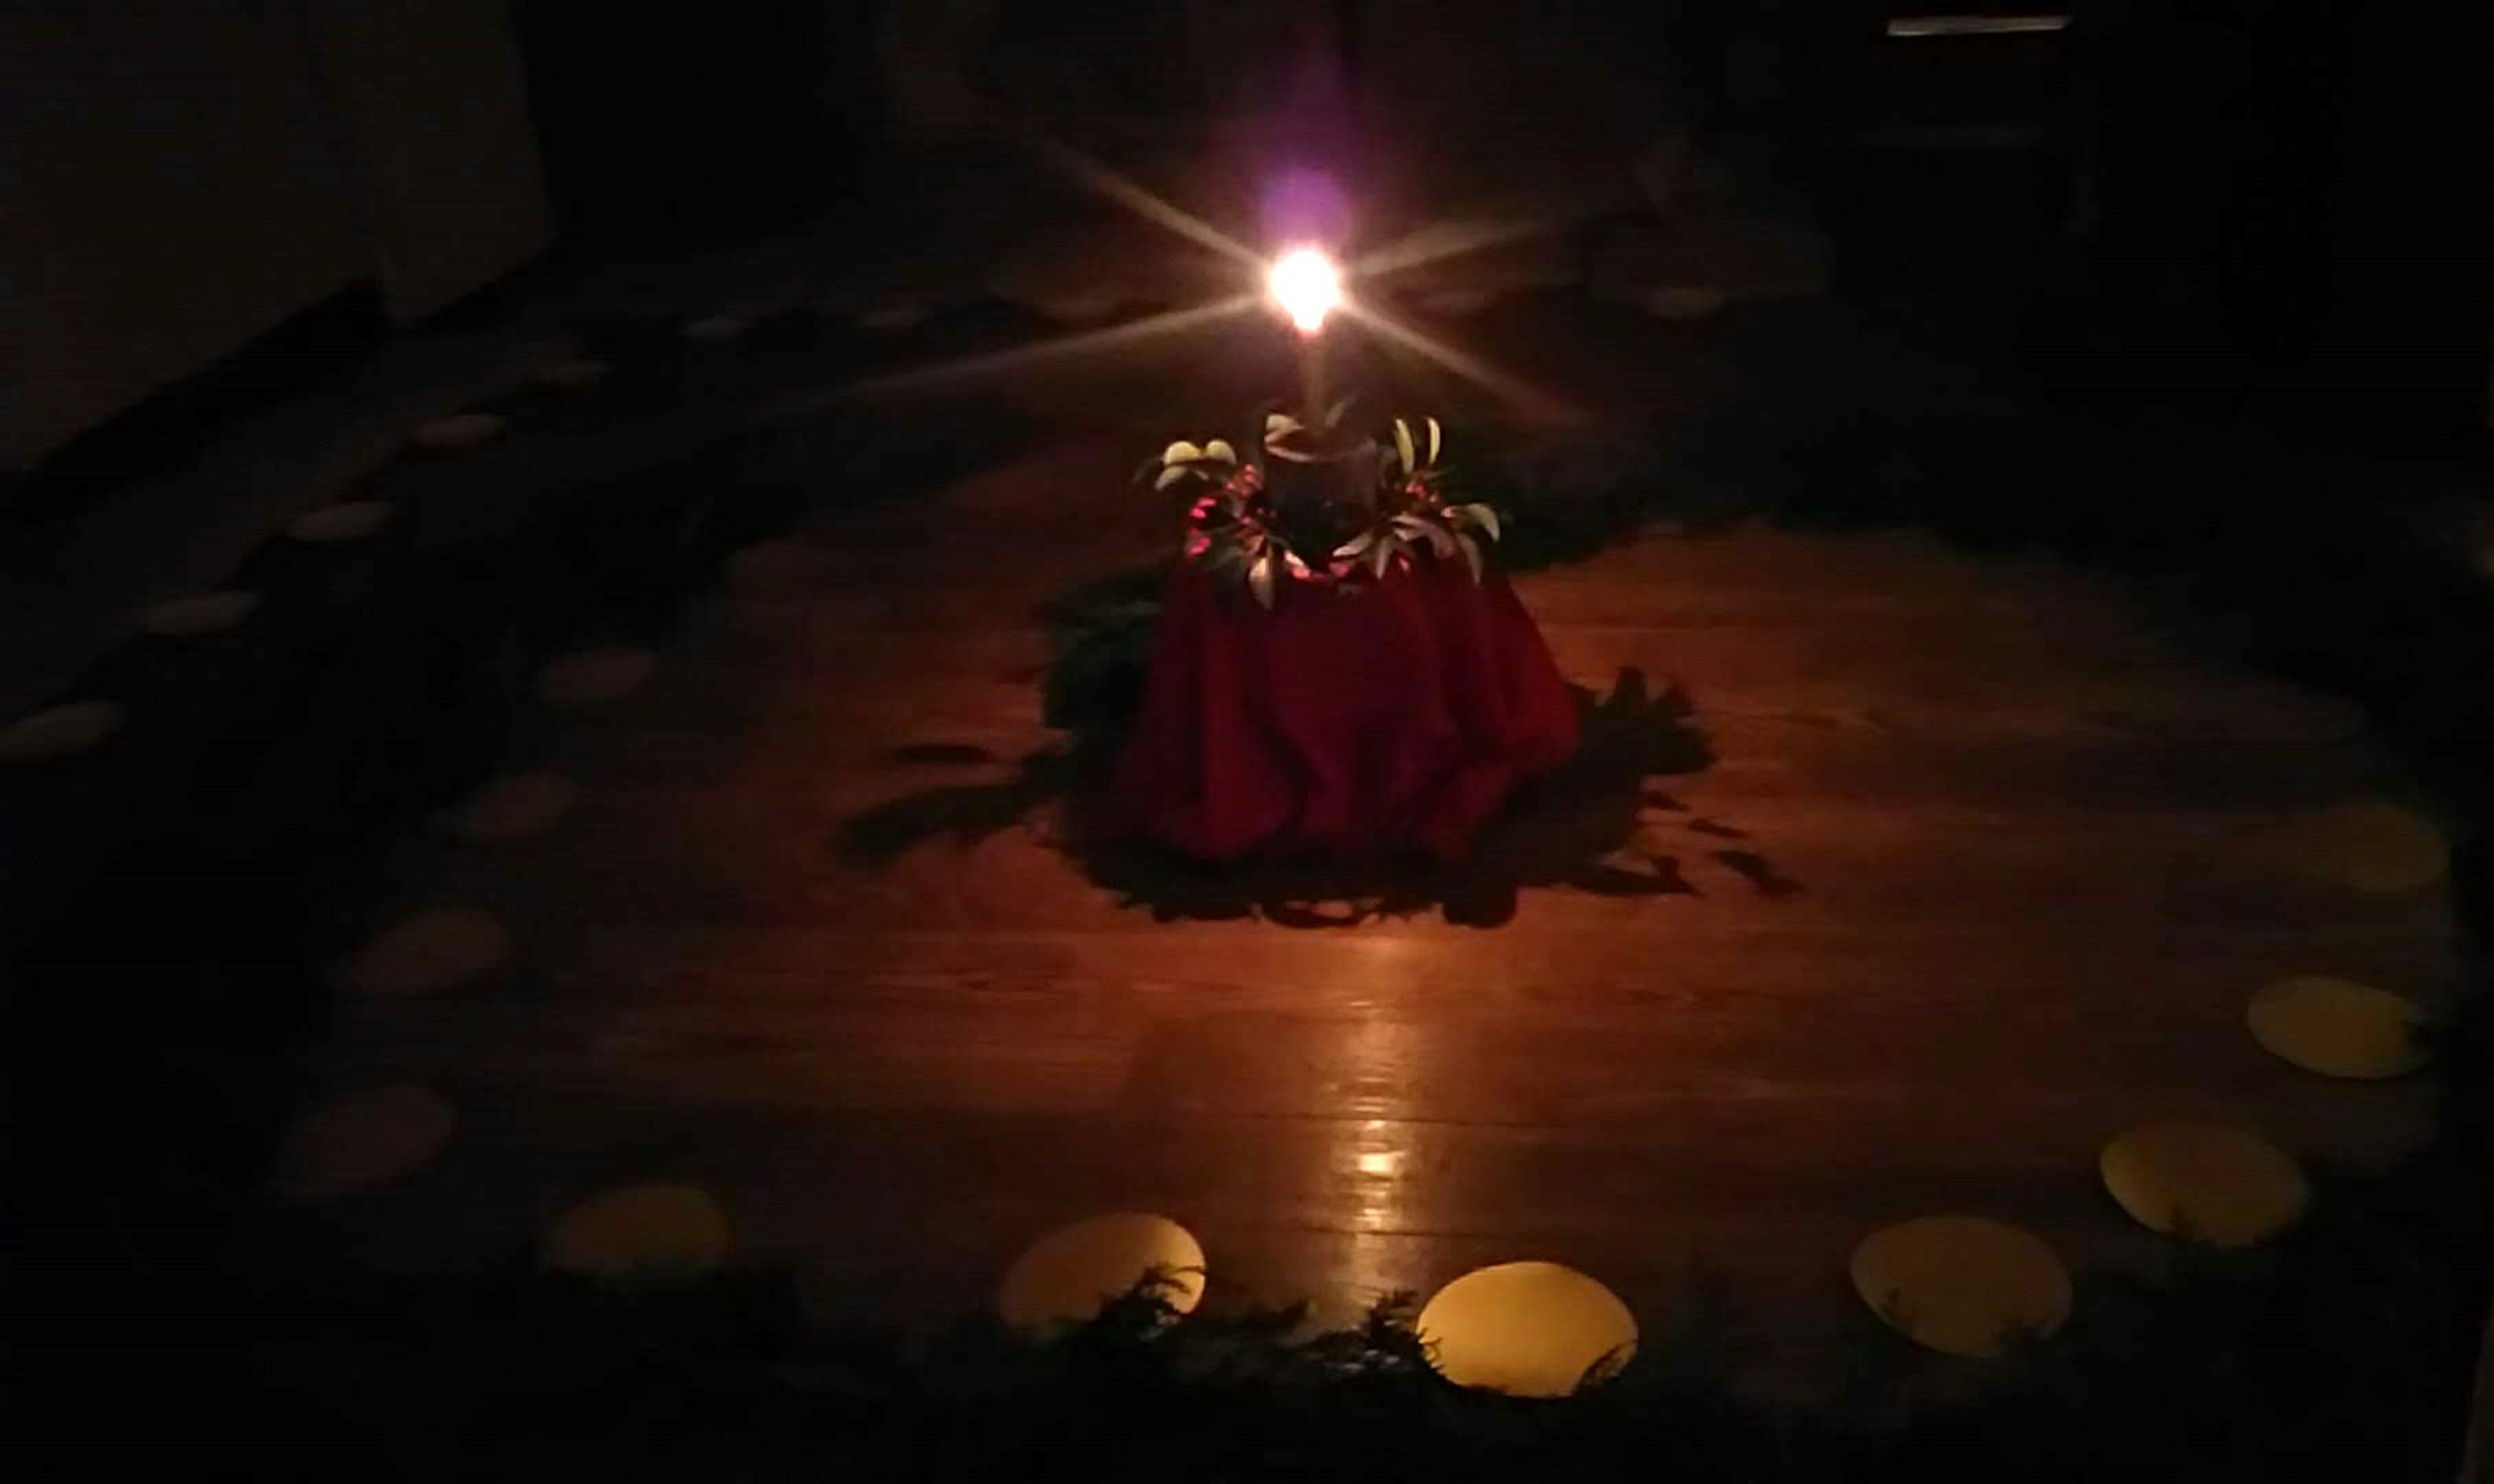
[[1981, 872]]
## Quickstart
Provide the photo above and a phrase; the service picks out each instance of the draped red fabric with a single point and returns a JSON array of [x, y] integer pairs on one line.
[[1354, 720]]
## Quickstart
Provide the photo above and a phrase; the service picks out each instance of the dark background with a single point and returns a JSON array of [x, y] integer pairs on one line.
[[2261, 204]]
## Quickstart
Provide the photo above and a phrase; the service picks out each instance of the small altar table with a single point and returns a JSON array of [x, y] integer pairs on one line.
[[1356, 721]]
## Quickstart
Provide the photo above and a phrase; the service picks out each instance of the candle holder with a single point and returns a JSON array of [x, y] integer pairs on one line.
[[1322, 482], [1321, 506]]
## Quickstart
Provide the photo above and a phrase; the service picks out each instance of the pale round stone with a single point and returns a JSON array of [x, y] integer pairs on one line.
[[433, 950], [59, 731], [569, 375], [1963, 1285], [196, 617], [1527, 1329], [1068, 1275], [350, 521], [509, 810], [2376, 849], [650, 1230], [460, 430], [2338, 1027], [2208, 1182], [544, 350], [598, 677], [364, 1139]]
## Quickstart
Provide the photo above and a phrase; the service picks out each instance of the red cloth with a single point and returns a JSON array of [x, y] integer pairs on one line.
[[1356, 720]]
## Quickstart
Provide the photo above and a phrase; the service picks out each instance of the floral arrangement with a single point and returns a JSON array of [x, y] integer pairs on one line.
[[1236, 526]]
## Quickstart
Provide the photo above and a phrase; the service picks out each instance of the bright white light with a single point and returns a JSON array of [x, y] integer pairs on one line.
[[1307, 285]]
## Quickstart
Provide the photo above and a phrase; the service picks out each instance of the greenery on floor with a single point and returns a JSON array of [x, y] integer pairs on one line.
[[2335, 1345]]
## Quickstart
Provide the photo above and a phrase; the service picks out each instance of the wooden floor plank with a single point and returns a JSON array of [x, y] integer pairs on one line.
[[1977, 870]]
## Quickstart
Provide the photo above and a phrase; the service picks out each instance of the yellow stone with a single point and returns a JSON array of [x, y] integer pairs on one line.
[[511, 809], [2209, 1182], [352, 521], [364, 1139], [1068, 1275], [429, 952], [463, 430], [60, 732], [193, 618], [1527, 1329], [1963, 1285], [2338, 1027], [2378, 849], [639, 1230], [569, 375]]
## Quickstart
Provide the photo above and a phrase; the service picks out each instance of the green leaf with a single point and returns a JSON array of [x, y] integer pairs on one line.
[[1488, 519], [1280, 453], [1260, 579], [1220, 451], [1382, 556], [1433, 440], [1280, 425], [1172, 476], [1357, 544], [1403, 444], [1472, 554], [1180, 452], [1440, 541]]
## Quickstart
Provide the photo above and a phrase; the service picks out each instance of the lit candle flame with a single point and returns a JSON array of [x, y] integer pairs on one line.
[[1307, 285]]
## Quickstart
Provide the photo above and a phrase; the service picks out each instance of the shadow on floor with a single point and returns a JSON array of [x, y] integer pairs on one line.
[[1600, 823]]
